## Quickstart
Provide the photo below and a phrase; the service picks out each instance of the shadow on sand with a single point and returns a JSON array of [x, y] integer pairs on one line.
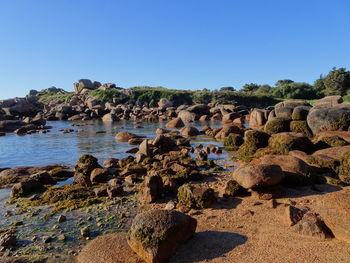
[[207, 245]]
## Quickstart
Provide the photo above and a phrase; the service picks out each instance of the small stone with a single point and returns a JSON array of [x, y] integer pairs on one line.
[[312, 225], [8, 240], [56, 227], [85, 231], [61, 219], [46, 239], [170, 205], [272, 203], [61, 237], [293, 215]]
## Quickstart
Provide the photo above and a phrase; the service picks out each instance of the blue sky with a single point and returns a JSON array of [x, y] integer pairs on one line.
[[182, 44]]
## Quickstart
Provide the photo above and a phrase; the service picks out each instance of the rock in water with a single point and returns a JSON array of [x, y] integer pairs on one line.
[[155, 235], [175, 123]]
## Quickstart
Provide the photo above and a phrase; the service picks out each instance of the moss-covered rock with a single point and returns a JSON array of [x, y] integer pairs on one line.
[[155, 235], [233, 141], [282, 143], [324, 162], [277, 125], [195, 196], [302, 127], [232, 188], [253, 140], [329, 141], [60, 174], [85, 165], [300, 113], [67, 197], [344, 168]]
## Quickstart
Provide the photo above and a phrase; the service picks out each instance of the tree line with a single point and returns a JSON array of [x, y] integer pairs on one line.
[[336, 82]]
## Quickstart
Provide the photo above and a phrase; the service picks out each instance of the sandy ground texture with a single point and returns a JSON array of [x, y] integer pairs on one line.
[[241, 230], [250, 230]]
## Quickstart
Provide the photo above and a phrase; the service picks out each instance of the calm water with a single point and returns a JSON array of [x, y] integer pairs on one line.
[[56, 147]]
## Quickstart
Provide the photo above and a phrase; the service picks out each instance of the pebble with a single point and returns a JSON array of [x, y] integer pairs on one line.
[[85, 231], [61, 219], [46, 239]]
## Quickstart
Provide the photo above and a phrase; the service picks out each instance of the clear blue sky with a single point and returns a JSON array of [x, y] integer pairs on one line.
[[180, 44]]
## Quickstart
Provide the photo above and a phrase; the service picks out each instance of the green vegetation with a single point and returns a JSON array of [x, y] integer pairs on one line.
[[336, 82], [50, 97], [109, 95]]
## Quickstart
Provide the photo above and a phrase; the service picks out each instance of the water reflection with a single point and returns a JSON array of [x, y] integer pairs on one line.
[[65, 148]]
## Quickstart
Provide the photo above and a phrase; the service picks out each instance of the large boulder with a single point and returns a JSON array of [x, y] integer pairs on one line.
[[258, 117], [112, 248], [28, 106], [200, 109], [187, 116], [291, 104], [125, 136], [277, 125], [11, 125], [329, 118], [252, 176], [300, 113], [189, 131], [226, 130], [296, 171], [253, 140], [175, 123], [83, 169], [329, 101], [284, 142], [83, 84], [165, 103], [284, 112], [229, 117], [109, 117], [156, 235]]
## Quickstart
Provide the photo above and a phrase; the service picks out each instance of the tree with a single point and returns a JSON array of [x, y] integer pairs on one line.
[[337, 82], [295, 90], [227, 89], [264, 90], [250, 88], [319, 86], [282, 82]]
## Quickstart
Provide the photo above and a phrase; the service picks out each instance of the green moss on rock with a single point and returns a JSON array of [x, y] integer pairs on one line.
[[277, 125], [332, 164], [330, 141], [196, 197], [302, 127], [233, 141], [148, 237], [344, 168], [232, 188], [69, 197], [282, 143], [253, 140]]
